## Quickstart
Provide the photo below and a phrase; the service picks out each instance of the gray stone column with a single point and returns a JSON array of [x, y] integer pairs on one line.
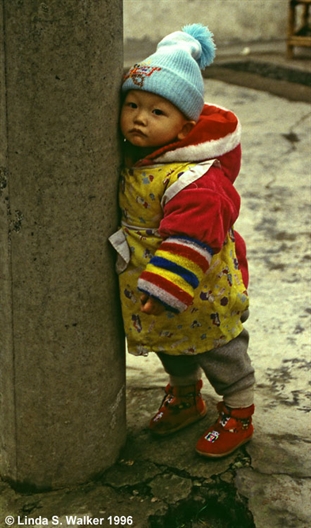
[[62, 388]]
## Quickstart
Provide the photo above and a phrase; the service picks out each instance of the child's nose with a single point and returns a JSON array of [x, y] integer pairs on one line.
[[141, 117]]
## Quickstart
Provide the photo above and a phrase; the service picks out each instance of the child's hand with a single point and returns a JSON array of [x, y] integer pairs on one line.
[[151, 306]]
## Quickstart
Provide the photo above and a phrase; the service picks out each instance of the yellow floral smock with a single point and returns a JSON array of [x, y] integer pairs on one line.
[[221, 297]]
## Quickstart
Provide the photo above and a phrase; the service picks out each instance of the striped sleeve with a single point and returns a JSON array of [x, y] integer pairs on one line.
[[175, 271]]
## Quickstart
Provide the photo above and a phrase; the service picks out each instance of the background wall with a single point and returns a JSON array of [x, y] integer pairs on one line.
[[231, 21]]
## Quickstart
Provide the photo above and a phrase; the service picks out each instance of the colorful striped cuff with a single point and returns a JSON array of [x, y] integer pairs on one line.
[[165, 291], [190, 249], [175, 268], [175, 271]]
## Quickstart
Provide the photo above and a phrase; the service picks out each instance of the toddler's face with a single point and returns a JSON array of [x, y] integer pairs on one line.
[[149, 120]]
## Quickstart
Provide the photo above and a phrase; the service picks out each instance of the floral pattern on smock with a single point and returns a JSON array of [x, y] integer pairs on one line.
[[219, 296]]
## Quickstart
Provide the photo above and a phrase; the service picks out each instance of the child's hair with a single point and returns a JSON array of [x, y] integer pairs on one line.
[[174, 70]]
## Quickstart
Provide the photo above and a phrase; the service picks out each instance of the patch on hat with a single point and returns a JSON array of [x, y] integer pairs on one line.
[[139, 72]]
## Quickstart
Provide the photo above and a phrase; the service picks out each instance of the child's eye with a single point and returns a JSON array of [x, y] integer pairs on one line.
[[158, 112], [131, 105]]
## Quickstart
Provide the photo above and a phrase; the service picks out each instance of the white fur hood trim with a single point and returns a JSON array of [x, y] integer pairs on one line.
[[202, 150]]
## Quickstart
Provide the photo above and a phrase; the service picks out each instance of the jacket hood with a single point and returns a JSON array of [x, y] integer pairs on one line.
[[217, 134]]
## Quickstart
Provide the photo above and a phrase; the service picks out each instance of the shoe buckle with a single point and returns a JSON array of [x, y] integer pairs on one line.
[[229, 423], [245, 423], [224, 420]]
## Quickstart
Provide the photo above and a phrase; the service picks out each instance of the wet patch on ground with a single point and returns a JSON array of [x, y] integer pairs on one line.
[[217, 507], [283, 383], [181, 500]]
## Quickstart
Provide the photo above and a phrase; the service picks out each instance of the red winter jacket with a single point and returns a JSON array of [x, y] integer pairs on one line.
[[208, 208]]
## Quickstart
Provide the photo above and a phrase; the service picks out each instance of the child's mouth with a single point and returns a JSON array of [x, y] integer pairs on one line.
[[137, 132]]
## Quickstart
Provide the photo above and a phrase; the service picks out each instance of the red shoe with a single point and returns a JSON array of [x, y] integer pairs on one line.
[[181, 406], [232, 429]]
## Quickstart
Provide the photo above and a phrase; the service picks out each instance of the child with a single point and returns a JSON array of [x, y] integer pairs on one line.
[[183, 270]]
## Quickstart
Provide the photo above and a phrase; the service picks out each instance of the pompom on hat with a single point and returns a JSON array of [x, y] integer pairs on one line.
[[174, 70]]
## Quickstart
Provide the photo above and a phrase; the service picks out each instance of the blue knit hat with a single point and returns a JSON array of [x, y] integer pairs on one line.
[[174, 70]]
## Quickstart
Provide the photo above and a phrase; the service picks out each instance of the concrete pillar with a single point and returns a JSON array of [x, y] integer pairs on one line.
[[62, 389]]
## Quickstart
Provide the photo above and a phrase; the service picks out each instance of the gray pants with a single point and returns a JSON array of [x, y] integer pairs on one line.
[[227, 368]]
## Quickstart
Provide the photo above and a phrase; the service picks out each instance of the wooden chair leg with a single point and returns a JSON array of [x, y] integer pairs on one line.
[[290, 52], [305, 15], [290, 29], [297, 30]]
